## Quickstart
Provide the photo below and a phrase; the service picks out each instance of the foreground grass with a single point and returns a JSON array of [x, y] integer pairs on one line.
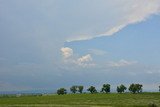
[[83, 100]]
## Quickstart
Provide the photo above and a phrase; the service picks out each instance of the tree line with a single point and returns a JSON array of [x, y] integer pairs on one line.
[[133, 88]]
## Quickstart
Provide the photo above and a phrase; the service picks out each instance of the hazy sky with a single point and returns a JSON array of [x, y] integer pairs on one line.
[[47, 44]]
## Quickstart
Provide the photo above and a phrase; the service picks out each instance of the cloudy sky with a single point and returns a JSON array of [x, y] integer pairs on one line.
[[47, 44]]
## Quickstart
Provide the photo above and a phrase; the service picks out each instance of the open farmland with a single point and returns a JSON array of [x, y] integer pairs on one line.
[[83, 100]]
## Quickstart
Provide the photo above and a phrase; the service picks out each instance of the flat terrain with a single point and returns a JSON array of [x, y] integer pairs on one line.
[[83, 100]]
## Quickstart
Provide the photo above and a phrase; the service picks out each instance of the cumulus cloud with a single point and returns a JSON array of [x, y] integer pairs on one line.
[[130, 12], [84, 61], [87, 61], [85, 58], [66, 52], [121, 63]]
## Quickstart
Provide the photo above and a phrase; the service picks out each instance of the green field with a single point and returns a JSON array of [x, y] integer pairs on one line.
[[83, 100]]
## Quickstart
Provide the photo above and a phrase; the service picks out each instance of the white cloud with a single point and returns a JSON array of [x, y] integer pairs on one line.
[[121, 63], [79, 38], [128, 12], [66, 52], [83, 61], [139, 11], [85, 58]]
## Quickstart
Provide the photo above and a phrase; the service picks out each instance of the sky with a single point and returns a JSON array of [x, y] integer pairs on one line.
[[48, 44]]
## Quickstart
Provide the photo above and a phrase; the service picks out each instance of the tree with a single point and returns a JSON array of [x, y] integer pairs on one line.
[[135, 88], [132, 88], [92, 89], [106, 88], [139, 88], [80, 89], [73, 89], [121, 88], [61, 91]]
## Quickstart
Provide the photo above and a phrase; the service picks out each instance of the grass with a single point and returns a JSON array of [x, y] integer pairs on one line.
[[83, 100]]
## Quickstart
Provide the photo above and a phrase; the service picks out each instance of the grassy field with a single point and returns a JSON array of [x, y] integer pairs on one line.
[[83, 100]]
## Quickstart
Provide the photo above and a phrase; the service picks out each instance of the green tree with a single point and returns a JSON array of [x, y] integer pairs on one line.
[[61, 91], [80, 89], [139, 88], [73, 89], [135, 88], [132, 88], [106, 88], [92, 89], [121, 88]]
